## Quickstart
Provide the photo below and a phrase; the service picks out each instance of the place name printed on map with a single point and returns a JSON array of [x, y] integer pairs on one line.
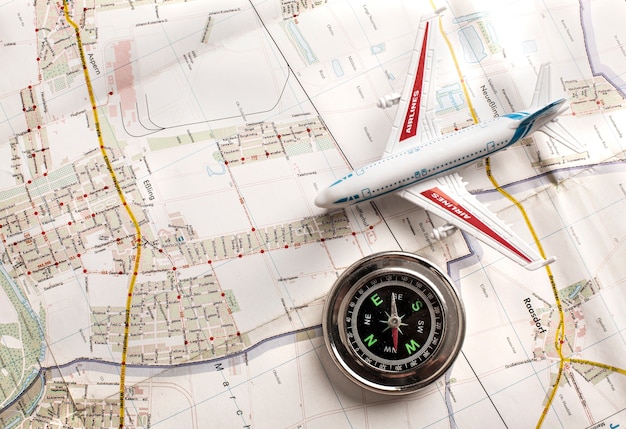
[[149, 189], [220, 367], [92, 61], [492, 104], [536, 319]]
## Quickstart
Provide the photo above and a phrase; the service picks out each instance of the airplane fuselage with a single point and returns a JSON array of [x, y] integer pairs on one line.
[[424, 172], [422, 161]]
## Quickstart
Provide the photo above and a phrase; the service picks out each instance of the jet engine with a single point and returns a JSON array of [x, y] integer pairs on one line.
[[443, 231], [388, 100]]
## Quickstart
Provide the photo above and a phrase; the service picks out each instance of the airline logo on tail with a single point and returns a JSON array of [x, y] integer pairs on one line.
[[412, 114]]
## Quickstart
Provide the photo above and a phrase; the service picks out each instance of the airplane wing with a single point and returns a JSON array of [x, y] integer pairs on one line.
[[413, 115], [447, 198]]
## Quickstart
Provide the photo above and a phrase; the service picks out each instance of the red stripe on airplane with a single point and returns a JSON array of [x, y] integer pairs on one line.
[[409, 128], [444, 201]]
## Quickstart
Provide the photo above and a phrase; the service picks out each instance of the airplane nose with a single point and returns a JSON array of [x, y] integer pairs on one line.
[[323, 199]]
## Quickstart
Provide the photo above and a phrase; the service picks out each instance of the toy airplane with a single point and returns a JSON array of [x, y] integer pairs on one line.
[[423, 170]]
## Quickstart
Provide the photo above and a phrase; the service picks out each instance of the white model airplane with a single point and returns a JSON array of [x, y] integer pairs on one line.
[[423, 170]]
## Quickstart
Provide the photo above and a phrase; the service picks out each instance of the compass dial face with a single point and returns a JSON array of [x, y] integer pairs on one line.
[[393, 322]]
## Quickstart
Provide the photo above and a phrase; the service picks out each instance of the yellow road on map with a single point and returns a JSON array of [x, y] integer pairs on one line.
[[560, 331], [559, 337], [120, 193]]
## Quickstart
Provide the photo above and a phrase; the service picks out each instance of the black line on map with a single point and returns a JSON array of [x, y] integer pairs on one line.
[[380, 215], [280, 96], [317, 112], [484, 390], [151, 130], [158, 128]]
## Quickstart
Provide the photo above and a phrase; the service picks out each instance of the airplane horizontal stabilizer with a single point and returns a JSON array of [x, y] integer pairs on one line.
[[541, 95], [558, 132], [542, 106]]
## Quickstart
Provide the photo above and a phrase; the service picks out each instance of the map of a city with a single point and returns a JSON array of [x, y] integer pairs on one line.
[[162, 263]]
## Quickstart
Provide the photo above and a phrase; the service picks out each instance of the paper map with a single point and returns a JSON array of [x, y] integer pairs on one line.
[[161, 255]]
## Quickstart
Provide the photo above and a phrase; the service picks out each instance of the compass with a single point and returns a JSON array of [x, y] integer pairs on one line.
[[393, 322]]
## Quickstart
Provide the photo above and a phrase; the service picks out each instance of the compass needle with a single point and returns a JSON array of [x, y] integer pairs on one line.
[[394, 322], [424, 340]]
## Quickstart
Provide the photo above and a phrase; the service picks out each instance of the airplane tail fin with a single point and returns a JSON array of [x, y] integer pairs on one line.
[[527, 122], [543, 114]]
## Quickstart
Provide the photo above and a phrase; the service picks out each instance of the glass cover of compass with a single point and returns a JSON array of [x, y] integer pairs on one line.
[[393, 322]]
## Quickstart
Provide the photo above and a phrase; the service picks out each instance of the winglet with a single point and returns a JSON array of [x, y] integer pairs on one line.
[[440, 10], [540, 263], [435, 14]]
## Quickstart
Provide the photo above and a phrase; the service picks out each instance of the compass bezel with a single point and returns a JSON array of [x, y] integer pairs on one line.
[[336, 333]]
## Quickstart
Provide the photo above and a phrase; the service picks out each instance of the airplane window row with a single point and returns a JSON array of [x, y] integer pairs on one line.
[[463, 158], [472, 155]]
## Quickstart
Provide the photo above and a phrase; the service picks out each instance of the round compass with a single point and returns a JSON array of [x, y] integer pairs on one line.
[[393, 322]]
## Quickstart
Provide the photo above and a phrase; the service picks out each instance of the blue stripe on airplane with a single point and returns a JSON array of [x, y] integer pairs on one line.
[[516, 115]]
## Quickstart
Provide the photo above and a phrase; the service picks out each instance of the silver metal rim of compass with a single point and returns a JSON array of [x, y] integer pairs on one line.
[[425, 373]]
